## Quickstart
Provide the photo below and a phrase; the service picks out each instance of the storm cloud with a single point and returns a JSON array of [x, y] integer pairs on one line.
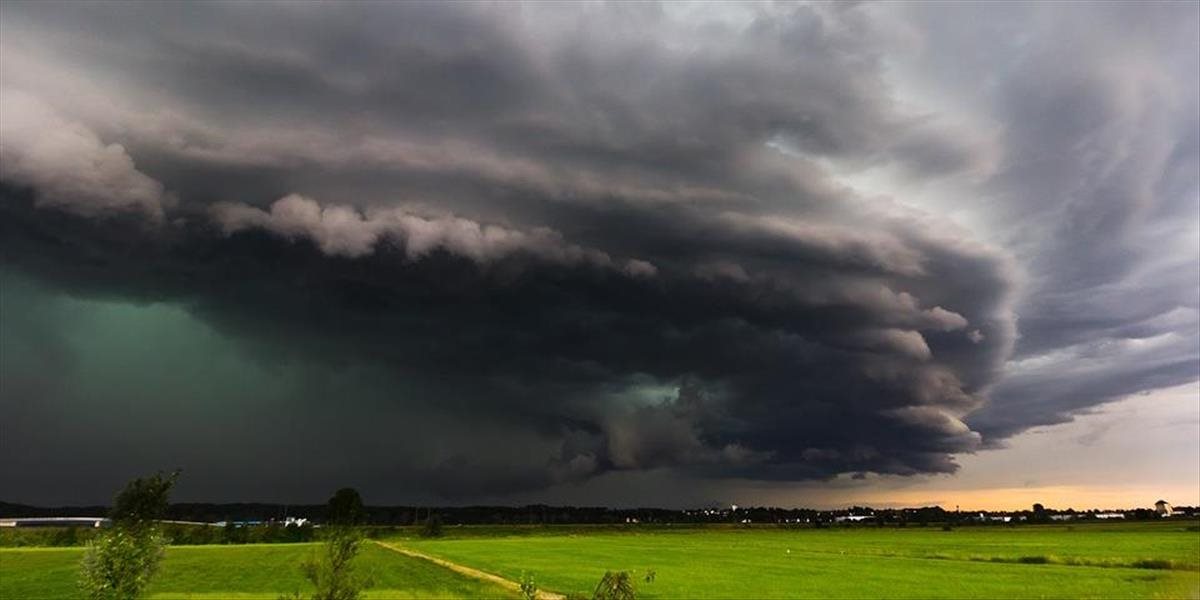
[[541, 244]]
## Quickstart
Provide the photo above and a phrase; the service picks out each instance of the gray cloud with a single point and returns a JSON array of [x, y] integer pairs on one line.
[[614, 237], [69, 165]]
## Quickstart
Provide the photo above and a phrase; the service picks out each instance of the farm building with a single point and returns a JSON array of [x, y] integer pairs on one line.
[[55, 522]]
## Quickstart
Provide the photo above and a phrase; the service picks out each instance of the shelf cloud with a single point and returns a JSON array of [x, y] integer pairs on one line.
[[766, 242]]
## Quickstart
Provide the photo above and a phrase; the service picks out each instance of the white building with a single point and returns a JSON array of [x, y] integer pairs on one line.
[[852, 518]]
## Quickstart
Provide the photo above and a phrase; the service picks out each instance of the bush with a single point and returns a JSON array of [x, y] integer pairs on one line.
[[1153, 563], [119, 565], [615, 586], [333, 574], [234, 534], [432, 527], [529, 589], [120, 562]]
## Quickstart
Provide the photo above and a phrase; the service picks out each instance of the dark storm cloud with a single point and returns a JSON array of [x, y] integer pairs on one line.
[[1098, 195], [606, 235]]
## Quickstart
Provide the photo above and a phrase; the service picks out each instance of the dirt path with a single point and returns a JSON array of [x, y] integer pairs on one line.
[[507, 584]]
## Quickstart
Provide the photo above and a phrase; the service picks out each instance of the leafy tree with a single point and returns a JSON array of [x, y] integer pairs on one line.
[[1039, 513], [346, 508], [120, 562], [333, 573], [144, 500], [616, 585]]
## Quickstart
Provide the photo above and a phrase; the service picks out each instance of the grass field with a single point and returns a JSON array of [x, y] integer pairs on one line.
[[1082, 561], [236, 572], [1125, 560]]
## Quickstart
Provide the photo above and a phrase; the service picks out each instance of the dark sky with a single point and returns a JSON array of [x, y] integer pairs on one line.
[[626, 253]]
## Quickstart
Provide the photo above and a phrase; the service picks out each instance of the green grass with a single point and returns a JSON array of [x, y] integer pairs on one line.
[[1125, 560], [262, 571], [1081, 561]]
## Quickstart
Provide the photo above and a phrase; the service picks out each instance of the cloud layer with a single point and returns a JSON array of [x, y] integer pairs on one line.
[[628, 237]]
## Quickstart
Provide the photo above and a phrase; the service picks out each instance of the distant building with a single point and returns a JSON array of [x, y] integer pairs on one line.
[[853, 518], [55, 522], [1163, 508], [1110, 515]]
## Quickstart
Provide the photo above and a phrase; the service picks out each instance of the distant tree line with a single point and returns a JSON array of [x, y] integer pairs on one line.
[[255, 522]]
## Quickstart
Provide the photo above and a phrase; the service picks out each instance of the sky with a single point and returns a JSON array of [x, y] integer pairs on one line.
[[618, 254]]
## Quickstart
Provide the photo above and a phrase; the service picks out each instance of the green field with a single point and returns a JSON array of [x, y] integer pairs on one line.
[[1134, 560], [236, 572], [1092, 561]]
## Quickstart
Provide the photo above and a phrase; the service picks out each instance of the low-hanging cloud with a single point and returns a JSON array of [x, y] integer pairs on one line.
[[341, 230]]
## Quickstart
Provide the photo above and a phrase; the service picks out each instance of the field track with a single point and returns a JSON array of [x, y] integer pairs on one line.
[[469, 571]]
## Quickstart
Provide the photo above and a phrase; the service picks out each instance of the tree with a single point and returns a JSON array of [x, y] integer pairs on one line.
[[346, 508], [616, 585], [121, 561], [1039, 513], [144, 500], [433, 526], [333, 574]]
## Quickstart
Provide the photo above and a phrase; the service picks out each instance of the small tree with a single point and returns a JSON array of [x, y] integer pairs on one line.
[[333, 573], [433, 526], [529, 589], [615, 586], [121, 561]]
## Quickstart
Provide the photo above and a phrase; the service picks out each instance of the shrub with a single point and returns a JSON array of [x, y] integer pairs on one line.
[[234, 533], [333, 574], [68, 536], [1152, 563], [432, 527], [529, 589], [615, 586], [120, 562]]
